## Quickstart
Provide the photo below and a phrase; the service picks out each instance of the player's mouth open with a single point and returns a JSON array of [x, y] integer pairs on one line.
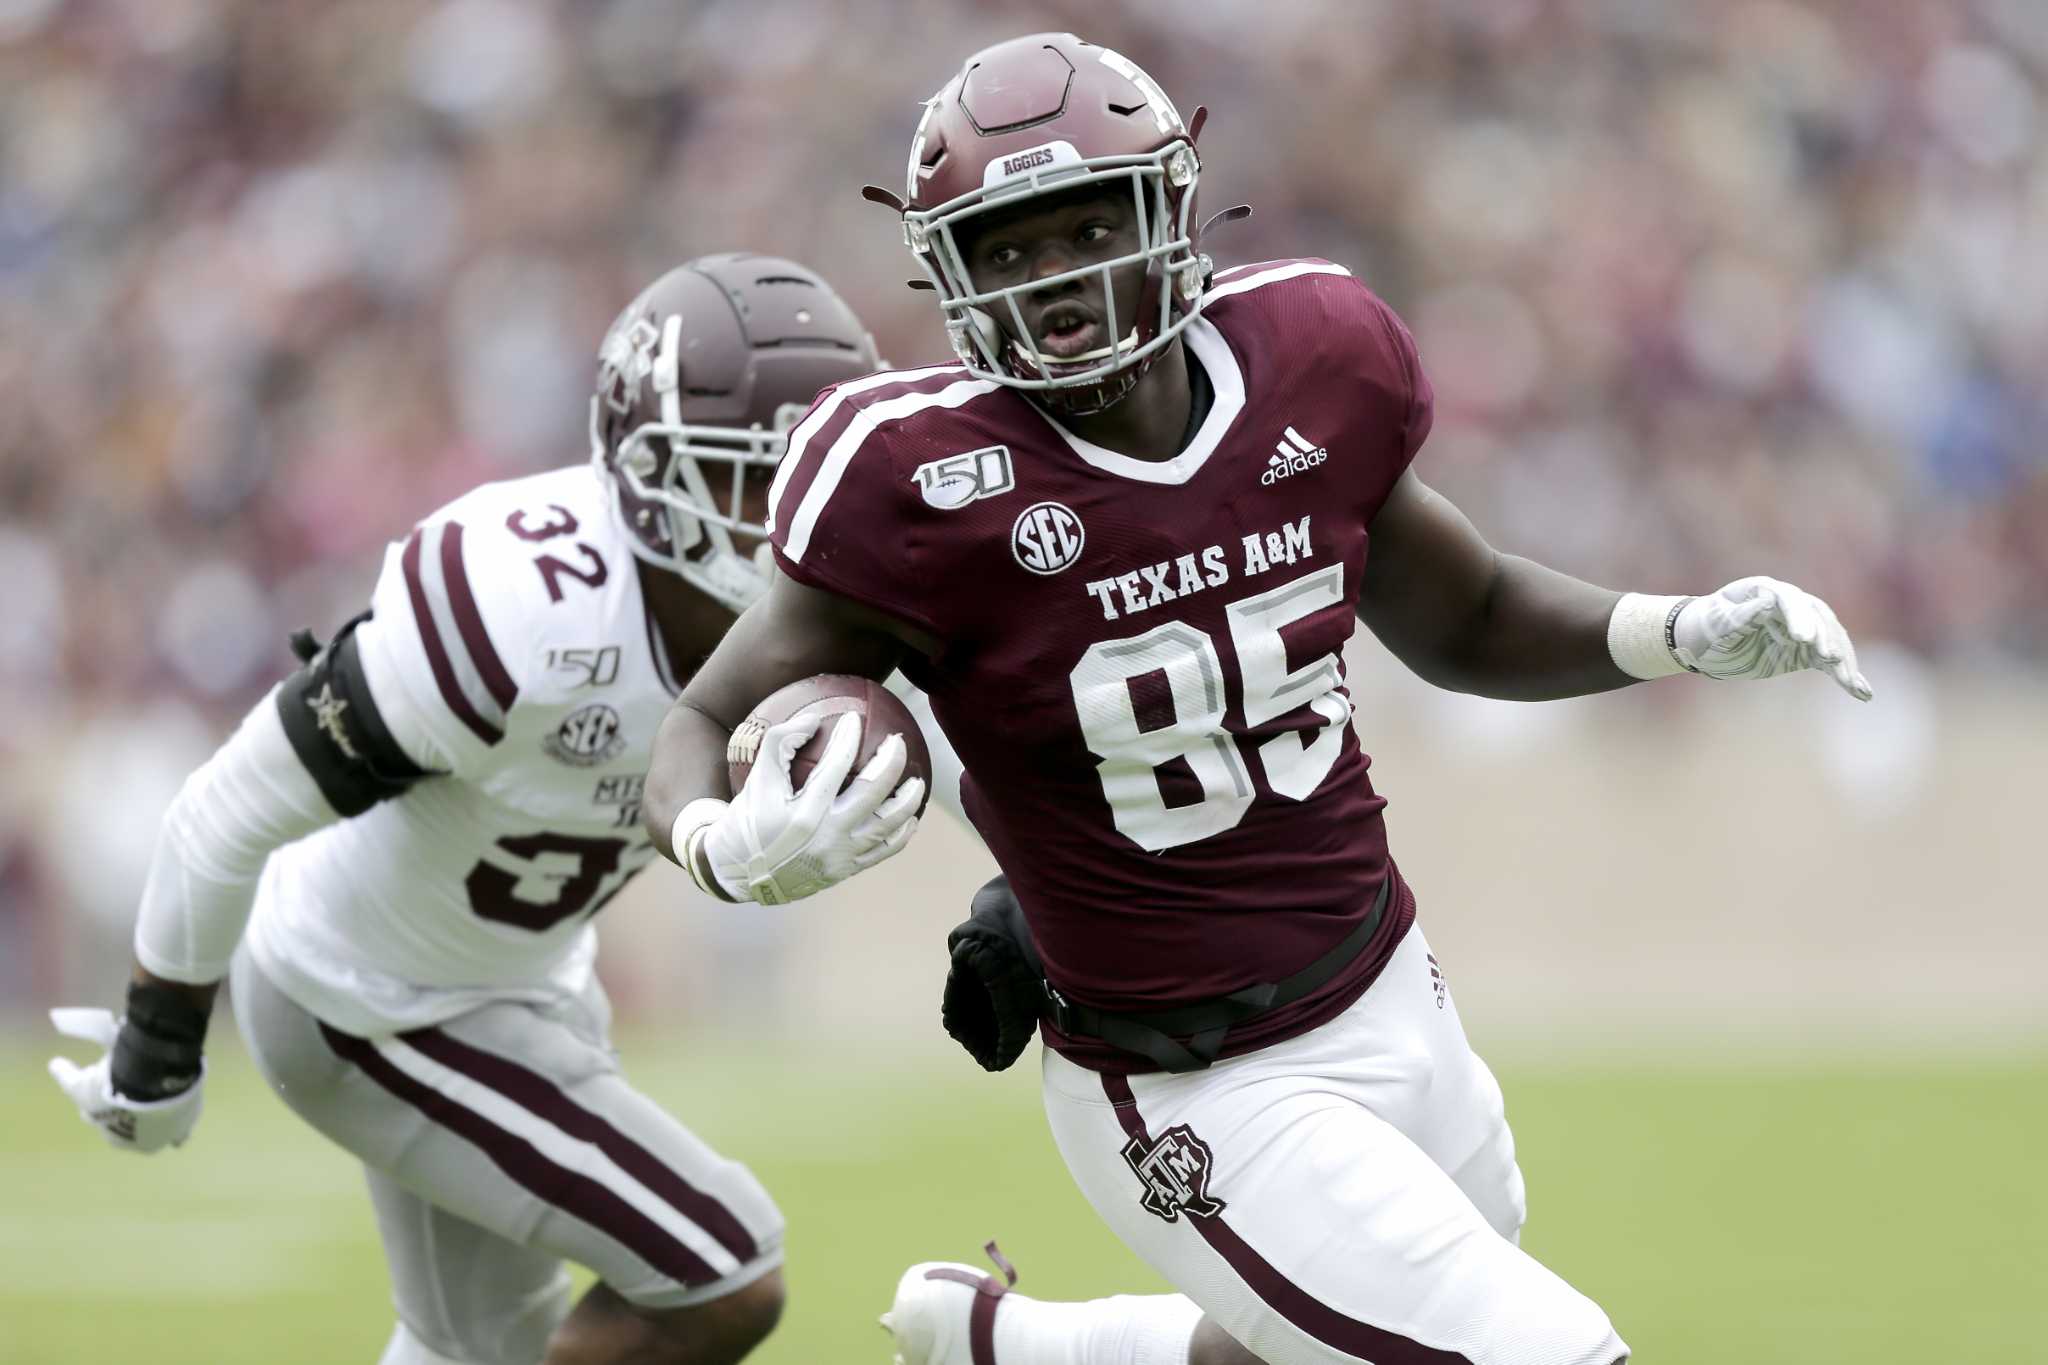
[[1067, 330]]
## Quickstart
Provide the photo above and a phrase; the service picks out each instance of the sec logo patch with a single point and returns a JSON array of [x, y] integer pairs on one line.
[[589, 736], [1047, 537]]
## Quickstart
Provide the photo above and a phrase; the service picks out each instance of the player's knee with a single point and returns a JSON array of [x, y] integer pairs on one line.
[[503, 1328], [756, 1309], [748, 1314], [725, 1328]]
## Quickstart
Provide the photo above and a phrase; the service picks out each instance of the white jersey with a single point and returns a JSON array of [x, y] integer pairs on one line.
[[511, 653]]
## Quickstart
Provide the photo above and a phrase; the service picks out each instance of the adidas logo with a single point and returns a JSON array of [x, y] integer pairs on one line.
[[1292, 456]]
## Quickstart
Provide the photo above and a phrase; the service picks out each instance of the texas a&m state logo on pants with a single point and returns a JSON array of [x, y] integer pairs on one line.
[[1174, 1170]]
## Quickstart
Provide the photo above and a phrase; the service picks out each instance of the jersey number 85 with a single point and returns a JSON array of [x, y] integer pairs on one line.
[[1295, 761]]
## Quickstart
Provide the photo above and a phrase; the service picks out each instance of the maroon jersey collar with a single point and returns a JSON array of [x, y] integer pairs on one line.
[[1221, 362]]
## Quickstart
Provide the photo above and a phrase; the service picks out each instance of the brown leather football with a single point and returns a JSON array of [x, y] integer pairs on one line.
[[831, 695]]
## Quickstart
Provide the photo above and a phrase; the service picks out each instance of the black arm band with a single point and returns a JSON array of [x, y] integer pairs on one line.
[[162, 1038], [331, 719]]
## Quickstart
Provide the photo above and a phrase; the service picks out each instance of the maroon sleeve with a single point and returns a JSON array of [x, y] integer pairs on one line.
[[1419, 399], [1370, 380], [839, 518]]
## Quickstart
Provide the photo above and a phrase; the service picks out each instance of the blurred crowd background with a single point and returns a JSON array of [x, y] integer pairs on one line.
[[1704, 288]]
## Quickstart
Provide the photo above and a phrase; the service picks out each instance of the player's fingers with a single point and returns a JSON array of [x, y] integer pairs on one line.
[[902, 805], [1802, 622], [1850, 681], [876, 782], [891, 757], [1746, 589], [1842, 665], [1834, 642], [840, 752], [1837, 656], [72, 1080], [821, 788], [780, 743], [888, 848], [93, 1025], [769, 779], [1850, 673]]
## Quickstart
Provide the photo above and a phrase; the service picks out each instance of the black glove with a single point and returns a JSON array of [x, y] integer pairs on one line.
[[993, 992]]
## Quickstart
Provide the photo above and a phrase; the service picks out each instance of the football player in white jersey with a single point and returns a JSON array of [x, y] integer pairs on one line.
[[418, 826]]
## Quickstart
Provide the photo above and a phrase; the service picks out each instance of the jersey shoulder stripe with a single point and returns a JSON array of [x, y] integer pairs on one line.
[[854, 436], [829, 415], [1243, 278], [470, 622], [470, 677]]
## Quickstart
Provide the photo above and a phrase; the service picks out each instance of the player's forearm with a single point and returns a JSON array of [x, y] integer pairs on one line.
[[1534, 635], [252, 797], [197, 994], [688, 764]]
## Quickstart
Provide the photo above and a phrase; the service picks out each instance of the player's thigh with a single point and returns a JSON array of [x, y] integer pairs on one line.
[[1450, 1105], [518, 1120], [1309, 1227]]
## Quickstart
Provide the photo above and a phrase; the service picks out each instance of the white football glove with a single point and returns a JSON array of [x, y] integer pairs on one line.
[[1759, 628], [773, 845], [131, 1125]]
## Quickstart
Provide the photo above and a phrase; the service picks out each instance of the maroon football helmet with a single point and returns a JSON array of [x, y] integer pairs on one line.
[[698, 383], [1042, 115]]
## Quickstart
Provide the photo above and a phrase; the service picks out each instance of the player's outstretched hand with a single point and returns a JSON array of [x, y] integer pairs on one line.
[[774, 844], [131, 1125], [1762, 627]]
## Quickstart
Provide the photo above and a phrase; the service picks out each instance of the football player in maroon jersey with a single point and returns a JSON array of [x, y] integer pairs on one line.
[[1122, 543]]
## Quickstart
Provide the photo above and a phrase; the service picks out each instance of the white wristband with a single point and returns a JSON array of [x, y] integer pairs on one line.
[[698, 815], [1638, 638]]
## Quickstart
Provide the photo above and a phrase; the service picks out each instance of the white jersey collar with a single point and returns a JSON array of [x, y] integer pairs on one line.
[[1225, 378]]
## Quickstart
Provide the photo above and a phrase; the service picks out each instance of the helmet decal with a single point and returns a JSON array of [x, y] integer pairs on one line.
[[1164, 115]]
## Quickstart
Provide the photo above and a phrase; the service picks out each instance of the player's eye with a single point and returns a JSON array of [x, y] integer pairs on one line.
[[1095, 232], [1002, 256]]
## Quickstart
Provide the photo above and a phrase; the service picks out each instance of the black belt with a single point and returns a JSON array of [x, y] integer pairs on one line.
[[1156, 1034]]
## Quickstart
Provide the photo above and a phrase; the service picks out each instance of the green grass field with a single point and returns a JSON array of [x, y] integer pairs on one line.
[[1826, 1212]]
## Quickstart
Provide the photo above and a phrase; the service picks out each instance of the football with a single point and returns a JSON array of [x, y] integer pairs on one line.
[[830, 695]]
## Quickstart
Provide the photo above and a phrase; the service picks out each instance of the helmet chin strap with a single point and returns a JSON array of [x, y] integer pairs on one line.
[[1085, 400]]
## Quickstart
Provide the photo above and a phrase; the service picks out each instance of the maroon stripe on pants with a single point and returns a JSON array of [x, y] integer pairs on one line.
[[1281, 1294], [471, 622], [571, 1191], [437, 655], [537, 1094]]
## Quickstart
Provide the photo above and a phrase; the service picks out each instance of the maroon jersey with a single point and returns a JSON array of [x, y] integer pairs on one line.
[[1141, 663]]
